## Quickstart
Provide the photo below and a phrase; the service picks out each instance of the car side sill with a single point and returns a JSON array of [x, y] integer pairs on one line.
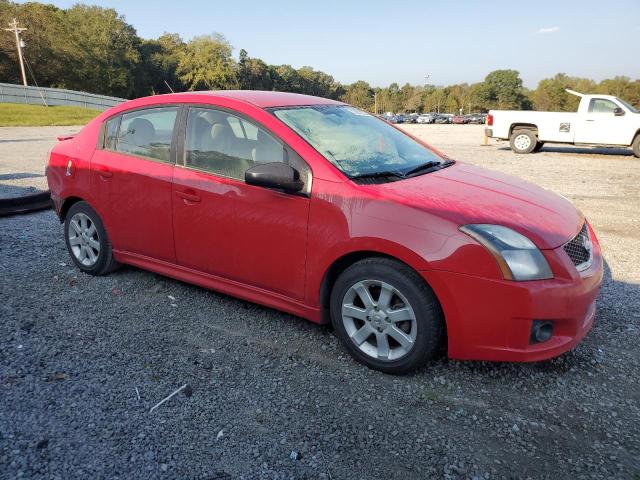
[[222, 285]]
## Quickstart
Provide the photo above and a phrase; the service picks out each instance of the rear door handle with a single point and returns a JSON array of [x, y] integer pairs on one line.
[[190, 196]]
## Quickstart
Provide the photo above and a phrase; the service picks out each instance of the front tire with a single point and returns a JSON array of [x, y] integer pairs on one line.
[[523, 141], [386, 316], [87, 240], [636, 146], [538, 147]]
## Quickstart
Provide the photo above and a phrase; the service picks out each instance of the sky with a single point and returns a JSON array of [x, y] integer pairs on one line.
[[383, 41]]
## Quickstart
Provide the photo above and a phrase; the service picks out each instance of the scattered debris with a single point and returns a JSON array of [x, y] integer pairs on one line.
[[294, 456], [116, 291], [57, 376], [220, 435], [183, 387], [171, 297], [44, 443], [137, 393], [154, 289]]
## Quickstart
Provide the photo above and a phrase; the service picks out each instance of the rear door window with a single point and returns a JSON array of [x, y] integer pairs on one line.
[[147, 133]]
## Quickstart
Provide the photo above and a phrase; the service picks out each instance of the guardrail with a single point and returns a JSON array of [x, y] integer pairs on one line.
[[10, 93]]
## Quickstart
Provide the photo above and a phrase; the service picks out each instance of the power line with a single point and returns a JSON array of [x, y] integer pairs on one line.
[[13, 27], [33, 77]]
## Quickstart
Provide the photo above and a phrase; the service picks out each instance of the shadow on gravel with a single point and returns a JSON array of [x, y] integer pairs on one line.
[[17, 176], [613, 151]]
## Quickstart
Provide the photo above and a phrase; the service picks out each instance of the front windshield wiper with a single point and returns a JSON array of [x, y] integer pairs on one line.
[[427, 166], [383, 173]]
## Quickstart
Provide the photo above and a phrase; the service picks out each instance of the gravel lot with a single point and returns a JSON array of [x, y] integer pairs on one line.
[[73, 350]]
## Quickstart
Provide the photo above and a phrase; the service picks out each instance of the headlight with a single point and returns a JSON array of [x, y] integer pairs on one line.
[[517, 256]]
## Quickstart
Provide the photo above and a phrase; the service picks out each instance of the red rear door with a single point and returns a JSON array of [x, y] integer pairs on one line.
[[132, 176]]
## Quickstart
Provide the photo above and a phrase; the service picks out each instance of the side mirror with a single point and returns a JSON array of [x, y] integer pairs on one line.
[[276, 175], [618, 112]]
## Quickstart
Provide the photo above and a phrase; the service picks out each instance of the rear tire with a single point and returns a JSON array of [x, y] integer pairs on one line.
[[523, 141], [386, 316], [87, 240], [636, 146]]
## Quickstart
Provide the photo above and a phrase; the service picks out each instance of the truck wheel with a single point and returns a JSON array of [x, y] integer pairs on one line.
[[636, 146], [538, 147], [523, 141]]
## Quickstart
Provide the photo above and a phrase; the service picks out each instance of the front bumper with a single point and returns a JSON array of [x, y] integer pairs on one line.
[[490, 319]]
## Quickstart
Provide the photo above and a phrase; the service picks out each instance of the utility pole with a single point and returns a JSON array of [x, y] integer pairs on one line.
[[13, 27]]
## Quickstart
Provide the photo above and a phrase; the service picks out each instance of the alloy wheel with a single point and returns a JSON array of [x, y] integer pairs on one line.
[[83, 239], [379, 320]]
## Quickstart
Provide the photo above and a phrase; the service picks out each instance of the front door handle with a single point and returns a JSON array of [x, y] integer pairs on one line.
[[590, 120], [190, 196], [104, 172]]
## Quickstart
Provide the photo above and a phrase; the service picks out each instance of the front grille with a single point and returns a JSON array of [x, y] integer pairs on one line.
[[580, 248]]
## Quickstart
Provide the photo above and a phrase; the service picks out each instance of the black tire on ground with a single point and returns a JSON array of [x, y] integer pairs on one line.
[[105, 262], [538, 147], [636, 146], [430, 331], [523, 141]]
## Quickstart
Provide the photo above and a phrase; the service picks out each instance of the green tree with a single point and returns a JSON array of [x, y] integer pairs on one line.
[[502, 89], [106, 52], [359, 94], [158, 63], [253, 73], [206, 63]]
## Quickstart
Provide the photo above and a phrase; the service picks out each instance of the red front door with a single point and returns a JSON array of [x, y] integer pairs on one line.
[[224, 227], [240, 232]]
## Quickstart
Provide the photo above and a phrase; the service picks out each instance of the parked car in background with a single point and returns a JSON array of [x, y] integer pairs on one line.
[[477, 118], [442, 118], [313, 207], [459, 119], [600, 120], [426, 118], [410, 118]]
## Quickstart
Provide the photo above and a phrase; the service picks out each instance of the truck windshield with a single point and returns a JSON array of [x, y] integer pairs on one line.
[[631, 109], [357, 143]]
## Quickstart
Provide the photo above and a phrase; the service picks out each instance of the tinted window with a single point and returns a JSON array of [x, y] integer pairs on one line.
[[111, 132], [226, 144], [148, 133], [600, 105]]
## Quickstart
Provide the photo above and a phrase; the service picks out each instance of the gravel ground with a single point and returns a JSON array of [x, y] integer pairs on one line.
[[74, 348]]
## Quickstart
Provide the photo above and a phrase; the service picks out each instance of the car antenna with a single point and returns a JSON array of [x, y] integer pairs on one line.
[[165, 82]]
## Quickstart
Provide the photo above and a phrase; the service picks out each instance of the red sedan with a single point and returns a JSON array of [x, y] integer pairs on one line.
[[321, 210]]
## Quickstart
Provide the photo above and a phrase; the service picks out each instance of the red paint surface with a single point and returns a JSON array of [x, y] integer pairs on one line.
[[276, 249]]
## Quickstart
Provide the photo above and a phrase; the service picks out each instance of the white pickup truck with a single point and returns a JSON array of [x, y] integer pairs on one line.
[[600, 120]]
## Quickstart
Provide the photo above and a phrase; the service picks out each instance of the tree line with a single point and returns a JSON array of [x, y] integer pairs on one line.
[[93, 49]]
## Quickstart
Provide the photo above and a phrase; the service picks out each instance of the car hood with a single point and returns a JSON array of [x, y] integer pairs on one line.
[[465, 194]]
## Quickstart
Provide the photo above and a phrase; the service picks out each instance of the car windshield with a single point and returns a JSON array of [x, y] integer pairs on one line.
[[631, 109], [357, 143]]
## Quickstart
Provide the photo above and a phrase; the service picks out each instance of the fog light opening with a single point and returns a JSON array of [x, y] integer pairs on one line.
[[541, 331]]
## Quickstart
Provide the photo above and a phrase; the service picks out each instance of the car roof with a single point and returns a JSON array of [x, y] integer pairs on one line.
[[267, 99]]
